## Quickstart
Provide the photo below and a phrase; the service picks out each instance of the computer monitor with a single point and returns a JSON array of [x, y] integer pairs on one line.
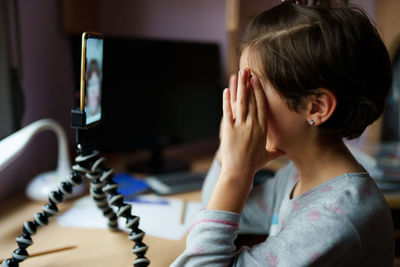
[[157, 93]]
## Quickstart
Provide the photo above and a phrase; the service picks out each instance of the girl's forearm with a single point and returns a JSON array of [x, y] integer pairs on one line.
[[230, 192]]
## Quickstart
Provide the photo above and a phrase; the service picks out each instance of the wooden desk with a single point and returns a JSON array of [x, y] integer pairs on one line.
[[94, 247]]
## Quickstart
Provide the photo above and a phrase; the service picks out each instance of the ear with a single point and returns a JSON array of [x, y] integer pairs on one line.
[[321, 106]]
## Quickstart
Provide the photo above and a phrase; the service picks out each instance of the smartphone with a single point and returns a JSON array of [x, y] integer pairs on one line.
[[91, 77]]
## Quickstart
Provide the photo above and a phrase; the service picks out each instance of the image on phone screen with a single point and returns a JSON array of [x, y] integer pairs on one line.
[[93, 78]]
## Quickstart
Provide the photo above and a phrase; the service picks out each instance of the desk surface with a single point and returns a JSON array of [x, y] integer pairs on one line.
[[94, 247]]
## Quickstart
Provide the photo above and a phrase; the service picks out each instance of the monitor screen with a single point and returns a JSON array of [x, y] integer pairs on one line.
[[157, 92]]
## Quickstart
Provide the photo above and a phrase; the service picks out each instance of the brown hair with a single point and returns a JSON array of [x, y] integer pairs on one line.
[[303, 48]]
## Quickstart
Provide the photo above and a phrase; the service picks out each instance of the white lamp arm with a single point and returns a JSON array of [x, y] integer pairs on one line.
[[12, 146]]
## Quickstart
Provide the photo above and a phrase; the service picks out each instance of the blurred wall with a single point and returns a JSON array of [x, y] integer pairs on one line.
[[202, 21], [47, 86], [388, 20]]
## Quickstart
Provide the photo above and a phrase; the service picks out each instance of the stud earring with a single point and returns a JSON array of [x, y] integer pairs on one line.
[[311, 122]]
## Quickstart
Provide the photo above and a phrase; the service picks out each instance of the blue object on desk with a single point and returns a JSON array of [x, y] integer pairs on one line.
[[159, 201], [130, 186]]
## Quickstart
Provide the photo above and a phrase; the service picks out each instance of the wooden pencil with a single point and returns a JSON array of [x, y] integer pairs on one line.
[[183, 211], [46, 252]]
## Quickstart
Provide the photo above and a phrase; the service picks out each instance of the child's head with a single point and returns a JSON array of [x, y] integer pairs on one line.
[[302, 49]]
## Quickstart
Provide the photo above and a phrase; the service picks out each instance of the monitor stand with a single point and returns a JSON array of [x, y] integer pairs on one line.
[[157, 163]]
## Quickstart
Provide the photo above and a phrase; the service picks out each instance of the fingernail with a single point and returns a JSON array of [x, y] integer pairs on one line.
[[243, 73]]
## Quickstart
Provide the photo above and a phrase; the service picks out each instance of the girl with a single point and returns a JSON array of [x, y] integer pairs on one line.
[[310, 76]]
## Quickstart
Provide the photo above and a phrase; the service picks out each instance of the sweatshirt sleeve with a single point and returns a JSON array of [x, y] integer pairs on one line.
[[317, 238], [257, 212], [211, 240]]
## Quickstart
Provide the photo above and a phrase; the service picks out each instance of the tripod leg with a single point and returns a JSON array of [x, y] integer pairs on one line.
[[132, 222], [88, 166], [101, 183], [41, 219]]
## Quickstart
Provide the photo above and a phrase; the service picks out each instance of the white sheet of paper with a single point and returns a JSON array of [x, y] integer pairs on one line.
[[159, 220]]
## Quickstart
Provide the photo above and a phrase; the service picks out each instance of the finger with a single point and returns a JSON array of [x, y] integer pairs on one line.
[[232, 88], [248, 81], [241, 101], [226, 107], [261, 101], [252, 109]]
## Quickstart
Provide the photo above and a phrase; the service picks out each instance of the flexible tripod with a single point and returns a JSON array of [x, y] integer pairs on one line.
[[91, 165]]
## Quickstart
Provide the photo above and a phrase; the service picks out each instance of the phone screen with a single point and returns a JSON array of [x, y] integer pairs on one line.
[[93, 78]]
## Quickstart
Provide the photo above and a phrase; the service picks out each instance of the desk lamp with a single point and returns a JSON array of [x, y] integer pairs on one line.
[[41, 185]]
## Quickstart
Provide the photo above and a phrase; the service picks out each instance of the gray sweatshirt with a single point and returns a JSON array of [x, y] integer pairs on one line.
[[343, 222]]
